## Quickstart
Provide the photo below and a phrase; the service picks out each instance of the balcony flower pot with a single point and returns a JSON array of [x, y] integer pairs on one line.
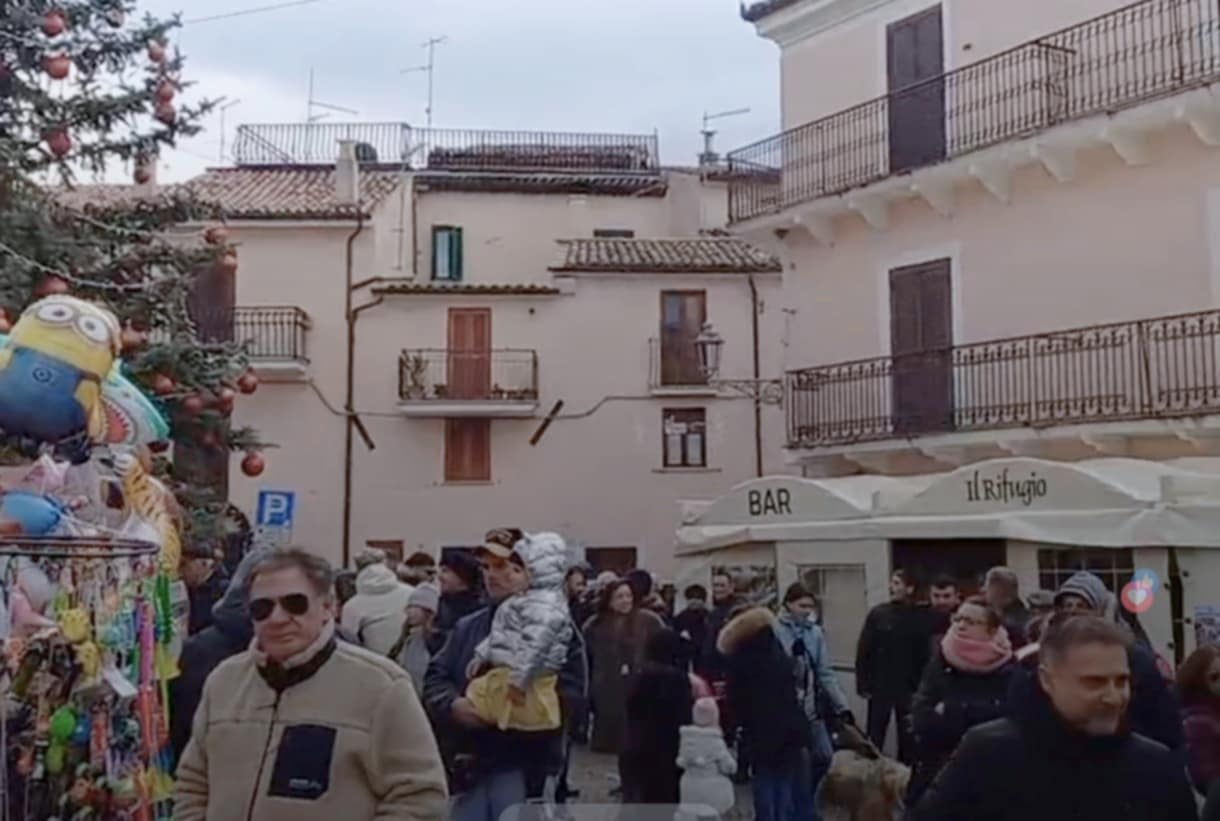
[[440, 391], [416, 387]]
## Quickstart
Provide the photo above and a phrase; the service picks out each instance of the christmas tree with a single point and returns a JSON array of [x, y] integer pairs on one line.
[[87, 87]]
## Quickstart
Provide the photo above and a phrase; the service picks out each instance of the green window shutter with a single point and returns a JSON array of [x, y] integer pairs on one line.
[[455, 254]]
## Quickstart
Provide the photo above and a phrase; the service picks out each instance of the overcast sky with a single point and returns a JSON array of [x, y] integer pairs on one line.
[[564, 65]]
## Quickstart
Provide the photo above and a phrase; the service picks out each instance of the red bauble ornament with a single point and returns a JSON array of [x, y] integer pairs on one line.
[[159, 446], [253, 465], [247, 383], [166, 113], [192, 405], [54, 23], [228, 263], [51, 286], [57, 66], [216, 235], [156, 52], [162, 385], [58, 143], [165, 91], [142, 176], [225, 398]]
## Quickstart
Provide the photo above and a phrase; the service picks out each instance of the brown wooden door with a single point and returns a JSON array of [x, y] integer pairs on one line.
[[915, 66], [469, 353], [618, 560], [921, 344], [682, 316]]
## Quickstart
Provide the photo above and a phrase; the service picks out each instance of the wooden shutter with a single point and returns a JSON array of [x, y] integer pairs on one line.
[[469, 356], [467, 450], [916, 109], [682, 316]]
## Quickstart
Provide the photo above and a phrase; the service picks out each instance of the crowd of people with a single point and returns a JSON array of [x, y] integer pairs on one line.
[[458, 691]]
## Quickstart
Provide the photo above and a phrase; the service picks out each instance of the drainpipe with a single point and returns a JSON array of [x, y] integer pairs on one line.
[[758, 454], [347, 183]]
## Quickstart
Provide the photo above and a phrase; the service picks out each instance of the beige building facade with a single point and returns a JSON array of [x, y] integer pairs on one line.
[[1001, 239], [524, 345]]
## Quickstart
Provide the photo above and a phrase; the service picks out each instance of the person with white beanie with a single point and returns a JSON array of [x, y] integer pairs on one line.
[[375, 615], [411, 649], [706, 762]]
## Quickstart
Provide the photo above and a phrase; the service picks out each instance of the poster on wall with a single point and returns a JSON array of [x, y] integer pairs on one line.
[[752, 583], [1207, 624]]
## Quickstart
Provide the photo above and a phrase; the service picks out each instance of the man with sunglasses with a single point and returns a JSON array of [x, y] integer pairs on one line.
[[304, 728], [491, 770]]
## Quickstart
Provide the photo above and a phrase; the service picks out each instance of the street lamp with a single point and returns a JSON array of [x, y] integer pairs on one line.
[[708, 346]]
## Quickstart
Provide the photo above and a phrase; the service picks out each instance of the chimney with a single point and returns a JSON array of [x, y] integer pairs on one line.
[[347, 174]]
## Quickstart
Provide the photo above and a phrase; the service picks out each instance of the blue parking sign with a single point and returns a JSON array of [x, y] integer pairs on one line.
[[275, 508]]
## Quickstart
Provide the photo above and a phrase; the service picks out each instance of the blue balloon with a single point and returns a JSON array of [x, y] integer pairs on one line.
[[37, 515], [1148, 578]]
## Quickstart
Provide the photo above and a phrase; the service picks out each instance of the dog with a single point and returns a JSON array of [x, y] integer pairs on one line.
[[863, 786]]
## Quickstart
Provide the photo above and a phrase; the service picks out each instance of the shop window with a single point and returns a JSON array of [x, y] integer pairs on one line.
[[1113, 566], [843, 606], [467, 450], [447, 253], [685, 438]]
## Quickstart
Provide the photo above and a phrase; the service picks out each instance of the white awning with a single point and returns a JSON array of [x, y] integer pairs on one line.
[[1098, 502]]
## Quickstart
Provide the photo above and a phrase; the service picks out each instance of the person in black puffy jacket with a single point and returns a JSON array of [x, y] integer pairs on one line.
[[965, 684], [1068, 754]]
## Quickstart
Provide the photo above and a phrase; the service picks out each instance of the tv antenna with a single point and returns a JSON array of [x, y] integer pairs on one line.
[[429, 69], [709, 154], [310, 117]]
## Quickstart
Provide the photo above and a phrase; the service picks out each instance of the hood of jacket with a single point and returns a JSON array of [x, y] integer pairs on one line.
[[376, 580], [746, 626], [545, 556], [1090, 588]]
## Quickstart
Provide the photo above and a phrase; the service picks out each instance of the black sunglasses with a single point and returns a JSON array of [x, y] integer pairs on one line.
[[294, 604]]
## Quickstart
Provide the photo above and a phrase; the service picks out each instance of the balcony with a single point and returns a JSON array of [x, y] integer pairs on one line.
[[1163, 371], [435, 382], [448, 150], [275, 336], [1098, 69], [673, 369]]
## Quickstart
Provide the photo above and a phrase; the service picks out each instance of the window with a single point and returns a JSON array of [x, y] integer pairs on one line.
[[616, 560], [467, 450], [613, 233], [1113, 566], [685, 440], [682, 316], [447, 253], [843, 603], [394, 549]]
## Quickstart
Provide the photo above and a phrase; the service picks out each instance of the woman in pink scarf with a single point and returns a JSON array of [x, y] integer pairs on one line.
[[964, 684]]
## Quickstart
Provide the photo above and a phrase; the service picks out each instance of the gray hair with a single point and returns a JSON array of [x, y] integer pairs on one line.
[[369, 557], [317, 570], [1005, 577], [1067, 631]]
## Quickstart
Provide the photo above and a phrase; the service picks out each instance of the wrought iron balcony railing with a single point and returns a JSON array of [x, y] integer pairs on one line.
[[1148, 369], [1137, 53], [441, 149], [273, 333], [441, 375]]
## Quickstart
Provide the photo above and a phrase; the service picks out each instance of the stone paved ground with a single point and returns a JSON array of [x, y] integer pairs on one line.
[[595, 775]]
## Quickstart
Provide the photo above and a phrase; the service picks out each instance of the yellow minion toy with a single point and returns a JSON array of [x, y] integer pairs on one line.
[[51, 373]]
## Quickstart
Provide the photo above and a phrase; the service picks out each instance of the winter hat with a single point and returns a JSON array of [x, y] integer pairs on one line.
[[427, 596], [705, 713], [369, 557], [1088, 587], [465, 566]]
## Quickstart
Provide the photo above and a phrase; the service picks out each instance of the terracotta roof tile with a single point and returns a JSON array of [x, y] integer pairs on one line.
[[287, 192], [543, 182], [486, 289], [696, 255]]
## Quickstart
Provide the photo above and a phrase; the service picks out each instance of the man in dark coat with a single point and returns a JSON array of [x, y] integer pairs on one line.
[[206, 584], [491, 770], [724, 602], [461, 584], [1003, 592], [691, 623], [1154, 711], [893, 647], [1069, 753]]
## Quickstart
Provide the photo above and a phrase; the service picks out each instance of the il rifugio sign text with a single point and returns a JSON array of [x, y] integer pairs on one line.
[[1005, 489]]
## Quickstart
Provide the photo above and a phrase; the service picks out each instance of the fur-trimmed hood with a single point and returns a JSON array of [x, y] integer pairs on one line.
[[744, 627]]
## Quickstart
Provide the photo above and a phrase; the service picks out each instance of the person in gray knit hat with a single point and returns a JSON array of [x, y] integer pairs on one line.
[[411, 649]]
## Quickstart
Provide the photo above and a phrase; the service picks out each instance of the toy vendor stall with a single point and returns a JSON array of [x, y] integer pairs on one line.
[[843, 537]]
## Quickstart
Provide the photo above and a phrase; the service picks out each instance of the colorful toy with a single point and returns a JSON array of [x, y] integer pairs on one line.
[[28, 514], [51, 374]]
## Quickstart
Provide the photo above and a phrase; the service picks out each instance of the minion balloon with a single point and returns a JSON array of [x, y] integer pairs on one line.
[[51, 374]]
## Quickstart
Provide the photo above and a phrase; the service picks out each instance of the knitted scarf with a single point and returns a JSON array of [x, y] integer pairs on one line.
[[975, 656]]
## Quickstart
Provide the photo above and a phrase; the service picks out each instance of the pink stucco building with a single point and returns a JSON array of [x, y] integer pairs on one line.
[[526, 309], [1000, 225]]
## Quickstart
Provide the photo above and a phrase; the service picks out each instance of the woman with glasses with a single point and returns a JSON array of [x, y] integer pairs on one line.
[[964, 684]]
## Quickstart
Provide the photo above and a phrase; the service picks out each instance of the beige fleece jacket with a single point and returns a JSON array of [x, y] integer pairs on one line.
[[351, 742]]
